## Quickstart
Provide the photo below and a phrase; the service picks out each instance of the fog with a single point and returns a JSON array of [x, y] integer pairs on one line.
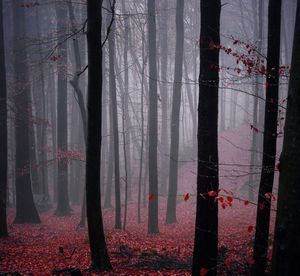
[[149, 124]]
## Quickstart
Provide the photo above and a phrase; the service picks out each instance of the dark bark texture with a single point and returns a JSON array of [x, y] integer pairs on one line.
[[3, 133], [286, 254], [25, 208], [99, 254], [206, 228], [269, 140]]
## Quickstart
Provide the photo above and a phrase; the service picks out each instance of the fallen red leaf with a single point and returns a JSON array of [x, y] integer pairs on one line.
[[186, 197]]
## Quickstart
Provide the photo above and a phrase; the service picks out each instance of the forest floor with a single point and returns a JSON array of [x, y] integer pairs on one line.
[[56, 244]]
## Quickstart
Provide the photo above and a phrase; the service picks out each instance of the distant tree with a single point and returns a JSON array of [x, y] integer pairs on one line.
[[206, 227], [163, 22], [176, 102], [99, 254], [25, 208], [3, 132], [261, 241], [63, 207], [286, 254], [114, 114], [153, 177]]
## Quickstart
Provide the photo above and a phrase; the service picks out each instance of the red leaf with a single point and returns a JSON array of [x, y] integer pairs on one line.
[[250, 228], [212, 193], [223, 205], [203, 271], [227, 262], [229, 199], [150, 197], [211, 45], [186, 197], [219, 198], [251, 262]]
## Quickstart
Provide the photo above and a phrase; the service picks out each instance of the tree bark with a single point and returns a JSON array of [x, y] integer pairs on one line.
[[173, 171], [153, 178], [3, 132], [63, 208], [286, 246], [206, 228], [99, 254], [25, 208], [269, 140]]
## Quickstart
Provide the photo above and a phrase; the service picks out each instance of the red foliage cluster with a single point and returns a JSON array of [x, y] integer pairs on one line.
[[247, 55]]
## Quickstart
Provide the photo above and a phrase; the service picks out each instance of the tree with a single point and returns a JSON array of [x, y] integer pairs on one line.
[[25, 209], [206, 228], [153, 178], [173, 171], [99, 254], [269, 140], [63, 207], [114, 114], [3, 132], [286, 253]]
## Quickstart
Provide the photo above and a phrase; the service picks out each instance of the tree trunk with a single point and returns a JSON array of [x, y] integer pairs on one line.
[[286, 246], [113, 95], [63, 207], [173, 171], [3, 132], [206, 228], [164, 93], [269, 140], [99, 254], [25, 209], [153, 178]]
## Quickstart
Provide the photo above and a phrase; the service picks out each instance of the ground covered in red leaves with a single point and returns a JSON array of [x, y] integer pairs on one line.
[[55, 244]]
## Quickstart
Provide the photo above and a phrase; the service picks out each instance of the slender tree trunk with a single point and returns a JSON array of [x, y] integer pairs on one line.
[[99, 254], [206, 228], [113, 95], [164, 90], [269, 140], [142, 132], [63, 207], [126, 98], [3, 132], [175, 120], [153, 178]]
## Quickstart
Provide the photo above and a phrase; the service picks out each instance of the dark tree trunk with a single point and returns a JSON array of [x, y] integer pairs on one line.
[[99, 254], [3, 132], [269, 140], [206, 228], [25, 209], [153, 178], [286, 246], [63, 207], [173, 171]]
